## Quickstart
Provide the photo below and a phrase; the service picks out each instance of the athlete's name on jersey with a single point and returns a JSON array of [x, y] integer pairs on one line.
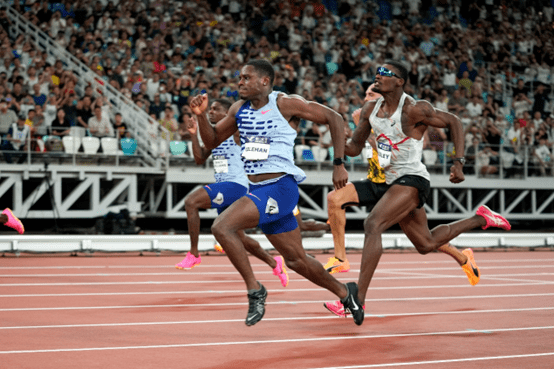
[[256, 149]]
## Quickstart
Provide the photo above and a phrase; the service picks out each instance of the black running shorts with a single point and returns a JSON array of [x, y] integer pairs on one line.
[[369, 193]]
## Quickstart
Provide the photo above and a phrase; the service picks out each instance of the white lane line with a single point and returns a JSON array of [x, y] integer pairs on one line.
[[290, 302], [353, 274], [201, 272], [482, 285], [374, 315], [465, 359], [285, 341], [529, 281], [228, 265]]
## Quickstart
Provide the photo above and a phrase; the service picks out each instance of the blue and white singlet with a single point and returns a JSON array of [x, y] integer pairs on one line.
[[267, 140], [228, 166]]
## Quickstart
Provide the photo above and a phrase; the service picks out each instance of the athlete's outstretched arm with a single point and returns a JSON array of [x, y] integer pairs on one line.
[[199, 152], [295, 106], [356, 144], [429, 116], [213, 136]]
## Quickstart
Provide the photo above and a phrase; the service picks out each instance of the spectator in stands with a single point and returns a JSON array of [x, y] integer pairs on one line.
[[7, 116], [169, 122], [475, 106], [465, 82], [99, 124], [50, 110], [520, 88], [84, 111], [120, 127], [16, 140], [38, 97], [61, 125], [156, 107], [542, 157], [540, 99], [457, 104]]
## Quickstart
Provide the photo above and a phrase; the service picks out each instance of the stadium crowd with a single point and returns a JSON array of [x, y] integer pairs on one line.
[[489, 62]]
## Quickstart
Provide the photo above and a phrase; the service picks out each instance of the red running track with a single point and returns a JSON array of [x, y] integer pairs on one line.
[[140, 312]]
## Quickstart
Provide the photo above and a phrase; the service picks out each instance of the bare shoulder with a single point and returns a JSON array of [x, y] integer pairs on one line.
[[418, 108], [284, 100], [235, 107]]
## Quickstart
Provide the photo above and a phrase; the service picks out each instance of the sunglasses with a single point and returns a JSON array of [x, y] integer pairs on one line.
[[382, 71]]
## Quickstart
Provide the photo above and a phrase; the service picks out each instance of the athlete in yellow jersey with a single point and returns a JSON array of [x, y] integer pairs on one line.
[[351, 194]]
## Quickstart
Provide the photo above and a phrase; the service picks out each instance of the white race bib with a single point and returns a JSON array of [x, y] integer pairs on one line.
[[256, 148], [384, 151], [221, 164]]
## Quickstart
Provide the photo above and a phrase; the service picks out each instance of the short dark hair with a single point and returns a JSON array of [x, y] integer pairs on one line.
[[264, 68], [223, 102], [402, 71]]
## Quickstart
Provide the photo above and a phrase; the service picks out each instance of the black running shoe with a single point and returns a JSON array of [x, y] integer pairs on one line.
[[256, 306], [352, 304]]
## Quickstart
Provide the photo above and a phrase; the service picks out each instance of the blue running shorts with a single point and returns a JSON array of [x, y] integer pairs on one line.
[[275, 202], [223, 194]]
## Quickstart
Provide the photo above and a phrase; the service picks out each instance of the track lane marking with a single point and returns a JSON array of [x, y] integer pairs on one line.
[[482, 358], [291, 302], [482, 285], [261, 342], [374, 315]]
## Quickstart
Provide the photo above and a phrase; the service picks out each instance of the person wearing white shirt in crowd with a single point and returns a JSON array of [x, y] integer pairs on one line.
[[99, 125], [474, 107], [57, 23], [50, 111], [102, 102], [543, 157], [152, 85], [16, 140]]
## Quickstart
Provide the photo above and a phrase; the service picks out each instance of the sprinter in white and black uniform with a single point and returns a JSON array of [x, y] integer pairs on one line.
[[230, 185], [267, 132], [399, 123]]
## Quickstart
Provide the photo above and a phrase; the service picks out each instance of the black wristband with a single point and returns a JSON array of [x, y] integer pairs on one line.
[[462, 160], [338, 161]]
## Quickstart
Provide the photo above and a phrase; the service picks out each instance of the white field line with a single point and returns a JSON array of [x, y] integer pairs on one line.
[[374, 315], [228, 265], [353, 274], [431, 362], [282, 302], [282, 341], [448, 287], [378, 270]]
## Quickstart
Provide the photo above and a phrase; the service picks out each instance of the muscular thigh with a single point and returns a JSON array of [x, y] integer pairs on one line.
[[242, 214], [416, 228], [394, 206]]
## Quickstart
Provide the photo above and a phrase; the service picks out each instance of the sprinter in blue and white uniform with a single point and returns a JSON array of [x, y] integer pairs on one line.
[[230, 185], [267, 132]]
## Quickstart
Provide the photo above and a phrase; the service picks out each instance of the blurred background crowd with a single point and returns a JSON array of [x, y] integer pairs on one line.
[[490, 62]]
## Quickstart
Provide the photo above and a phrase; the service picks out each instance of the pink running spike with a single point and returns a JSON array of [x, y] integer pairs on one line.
[[13, 221], [280, 271], [189, 262], [493, 219]]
